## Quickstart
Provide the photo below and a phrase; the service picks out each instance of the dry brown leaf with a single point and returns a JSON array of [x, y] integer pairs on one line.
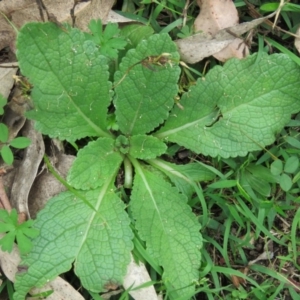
[[266, 255], [6, 78], [136, 275], [26, 172], [295, 284], [14, 119], [239, 29], [236, 280], [20, 12], [196, 47], [9, 262], [14, 116], [237, 48], [98, 9], [216, 15], [113, 17]]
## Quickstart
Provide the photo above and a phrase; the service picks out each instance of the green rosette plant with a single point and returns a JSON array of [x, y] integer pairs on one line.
[[132, 121]]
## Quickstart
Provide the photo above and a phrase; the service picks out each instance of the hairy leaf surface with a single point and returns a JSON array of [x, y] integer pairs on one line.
[[70, 79], [146, 146], [94, 164], [146, 86], [237, 108], [171, 231], [98, 241]]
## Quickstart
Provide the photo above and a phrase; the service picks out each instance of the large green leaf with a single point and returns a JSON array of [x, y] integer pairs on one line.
[[146, 85], [94, 164], [98, 242], [146, 146], [70, 79], [237, 108], [171, 231]]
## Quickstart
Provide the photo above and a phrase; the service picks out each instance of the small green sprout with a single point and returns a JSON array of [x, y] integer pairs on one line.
[[108, 39], [22, 233], [5, 144]]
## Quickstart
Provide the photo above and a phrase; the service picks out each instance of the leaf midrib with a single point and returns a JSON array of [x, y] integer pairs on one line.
[[165, 134], [101, 196], [92, 124]]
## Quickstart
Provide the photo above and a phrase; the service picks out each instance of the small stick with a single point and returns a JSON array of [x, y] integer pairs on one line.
[[159, 60], [255, 14], [4, 201], [5, 204], [184, 12]]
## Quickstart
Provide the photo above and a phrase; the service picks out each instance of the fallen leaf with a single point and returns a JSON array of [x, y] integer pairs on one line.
[[14, 116], [97, 9], [237, 48], [27, 170], [136, 275], [20, 12], [196, 47], [236, 280], [9, 262], [216, 15], [6, 78], [113, 17]]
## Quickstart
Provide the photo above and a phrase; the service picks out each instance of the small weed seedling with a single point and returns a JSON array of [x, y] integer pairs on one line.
[[14, 231], [133, 122], [5, 144]]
